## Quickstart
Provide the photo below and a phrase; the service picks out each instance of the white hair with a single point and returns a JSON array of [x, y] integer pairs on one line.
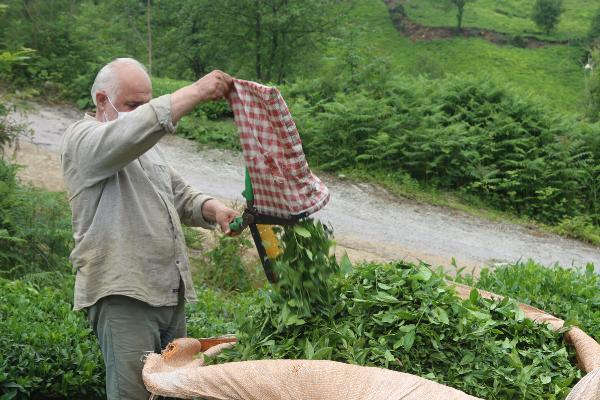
[[107, 78]]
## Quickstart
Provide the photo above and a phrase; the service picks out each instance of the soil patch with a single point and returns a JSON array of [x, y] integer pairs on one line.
[[416, 32]]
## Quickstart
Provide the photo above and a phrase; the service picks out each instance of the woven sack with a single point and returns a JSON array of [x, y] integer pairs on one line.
[[177, 373]]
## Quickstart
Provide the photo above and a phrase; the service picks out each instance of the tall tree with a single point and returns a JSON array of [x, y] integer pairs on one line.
[[277, 36], [460, 7], [182, 49], [546, 14]]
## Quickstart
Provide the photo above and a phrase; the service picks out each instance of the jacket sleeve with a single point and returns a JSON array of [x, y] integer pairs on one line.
[[98, 150], [189, 202]]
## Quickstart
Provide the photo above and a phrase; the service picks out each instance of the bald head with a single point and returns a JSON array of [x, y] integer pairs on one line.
[[125, 83]]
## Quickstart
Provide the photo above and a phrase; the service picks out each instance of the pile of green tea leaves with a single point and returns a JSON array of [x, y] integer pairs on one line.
[[399, 316]]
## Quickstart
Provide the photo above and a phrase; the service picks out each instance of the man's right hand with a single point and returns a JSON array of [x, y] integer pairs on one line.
[[212, 86]]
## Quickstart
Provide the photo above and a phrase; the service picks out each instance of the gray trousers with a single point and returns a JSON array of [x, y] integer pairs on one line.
[[127, 329]]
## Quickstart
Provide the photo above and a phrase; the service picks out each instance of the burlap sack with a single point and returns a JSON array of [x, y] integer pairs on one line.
[[178, 372]]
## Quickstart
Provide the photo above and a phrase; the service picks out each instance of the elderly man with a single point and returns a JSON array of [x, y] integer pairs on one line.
[[133, 275]]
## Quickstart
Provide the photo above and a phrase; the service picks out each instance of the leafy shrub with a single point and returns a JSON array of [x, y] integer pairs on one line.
[[403, 317], [592, 84], [594, 33], [224, 267], [9, 129], [35, 228], [193, 238], [215, 312], [49, 351], [459, 133], [222, 134], [568, 293], [46, 350], [546, 14], [580, 228]]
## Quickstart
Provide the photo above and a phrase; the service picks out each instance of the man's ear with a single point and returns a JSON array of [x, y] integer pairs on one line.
[[100, 99]]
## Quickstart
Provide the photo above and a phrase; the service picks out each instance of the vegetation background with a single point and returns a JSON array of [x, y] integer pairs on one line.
[[470, 101]]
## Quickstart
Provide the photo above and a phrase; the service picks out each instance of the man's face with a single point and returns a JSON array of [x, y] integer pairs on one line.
[[134, 90]]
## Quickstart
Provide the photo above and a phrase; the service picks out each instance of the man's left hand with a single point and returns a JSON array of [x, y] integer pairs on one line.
[[214, 210]]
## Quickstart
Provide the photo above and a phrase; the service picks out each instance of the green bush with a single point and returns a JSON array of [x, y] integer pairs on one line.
[[35, 228], [459, 133], [571, 294], [594, 33], [216, 313], [10, 130], [49, 351], [224, 266], [546, 14], [46, 349], [221, 134]]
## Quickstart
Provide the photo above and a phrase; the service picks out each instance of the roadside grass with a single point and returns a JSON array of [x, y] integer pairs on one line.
[[575, 228], [506, 16]]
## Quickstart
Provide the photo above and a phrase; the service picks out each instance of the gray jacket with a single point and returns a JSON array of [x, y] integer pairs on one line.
[[127, 204]]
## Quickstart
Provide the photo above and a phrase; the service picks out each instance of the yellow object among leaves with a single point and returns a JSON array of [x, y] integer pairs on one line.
[[269, 240]]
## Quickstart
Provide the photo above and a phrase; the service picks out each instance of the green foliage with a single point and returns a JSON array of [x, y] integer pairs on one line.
[[35, 228], [49, 351], [512, 17], [592, 85], [216, 313], [403, 317], [8, 59], [571, 294], [62, 54], [46, 350], [9, 129], [580, 228], [551, 72], [546, 14], [193, 238], [472, 135], [224, 266], [276, 38], [297, 41], [220, 134], [306, 263], [594, 33]]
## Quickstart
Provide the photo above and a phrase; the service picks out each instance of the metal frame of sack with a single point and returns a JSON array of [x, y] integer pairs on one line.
[[251, 217]]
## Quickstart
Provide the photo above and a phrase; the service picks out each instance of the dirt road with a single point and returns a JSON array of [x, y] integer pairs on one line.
[[369, 223]]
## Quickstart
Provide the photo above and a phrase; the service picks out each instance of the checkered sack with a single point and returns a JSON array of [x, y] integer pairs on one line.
[[282, 183]]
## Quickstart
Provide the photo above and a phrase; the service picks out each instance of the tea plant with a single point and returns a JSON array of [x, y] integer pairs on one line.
[[35, 228], [572, 294], [399, 316], [46, 350]]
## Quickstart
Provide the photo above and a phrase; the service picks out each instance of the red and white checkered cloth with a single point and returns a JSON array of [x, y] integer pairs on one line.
[[282, 183]]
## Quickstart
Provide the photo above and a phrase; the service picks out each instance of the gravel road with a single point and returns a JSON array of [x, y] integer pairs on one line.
[[369, 222]]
